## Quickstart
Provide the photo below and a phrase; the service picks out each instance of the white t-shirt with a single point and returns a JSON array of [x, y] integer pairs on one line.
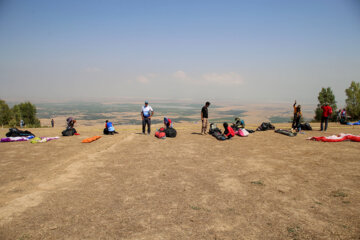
[[147, 111]]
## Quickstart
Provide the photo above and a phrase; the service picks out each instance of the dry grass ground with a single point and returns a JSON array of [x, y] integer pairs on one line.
[[133, 186]]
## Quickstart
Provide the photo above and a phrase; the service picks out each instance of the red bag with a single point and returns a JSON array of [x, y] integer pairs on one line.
[[160, 135]]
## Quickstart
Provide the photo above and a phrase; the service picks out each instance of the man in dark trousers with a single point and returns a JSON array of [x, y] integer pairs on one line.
[[204, 118], [52, 122], [146, 114], [327, 111]]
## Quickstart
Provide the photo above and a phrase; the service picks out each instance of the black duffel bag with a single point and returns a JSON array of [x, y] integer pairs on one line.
[[69, 132], [170, 132], [14, 132]]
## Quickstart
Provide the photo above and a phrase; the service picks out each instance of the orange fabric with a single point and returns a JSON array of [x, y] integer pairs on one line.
[[91, 139], [295, 111]]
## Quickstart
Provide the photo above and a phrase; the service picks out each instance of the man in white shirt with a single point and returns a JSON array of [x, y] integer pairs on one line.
[[146, 113]]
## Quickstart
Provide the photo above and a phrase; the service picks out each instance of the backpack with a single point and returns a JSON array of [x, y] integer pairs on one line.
[[14, 132], [69, 132], [242, 132], [265, 126], [305, 126], [160, 134], [170, 132]]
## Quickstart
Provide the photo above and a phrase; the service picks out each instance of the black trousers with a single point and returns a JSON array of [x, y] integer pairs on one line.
[[294, 121], [146, 121], [324, 119]]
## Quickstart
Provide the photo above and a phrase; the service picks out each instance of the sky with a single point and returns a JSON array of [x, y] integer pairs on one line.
[[246, 51]]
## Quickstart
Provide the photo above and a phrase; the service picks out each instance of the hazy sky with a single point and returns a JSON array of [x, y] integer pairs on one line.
[[246, 50]]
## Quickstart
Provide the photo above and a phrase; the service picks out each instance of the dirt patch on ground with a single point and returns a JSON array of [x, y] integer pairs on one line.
[[134, 186]]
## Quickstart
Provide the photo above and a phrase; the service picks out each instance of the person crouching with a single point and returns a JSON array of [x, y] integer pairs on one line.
[[229, 132], [168, 123], [109, 128]]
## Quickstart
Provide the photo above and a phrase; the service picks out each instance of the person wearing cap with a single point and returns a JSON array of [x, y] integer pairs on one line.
[[146, 113], [204, 117]]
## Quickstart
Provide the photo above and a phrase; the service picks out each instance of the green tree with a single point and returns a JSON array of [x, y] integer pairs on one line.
[[5, 113], [353, 100], [27, 112], [16, 115], [326, 96]]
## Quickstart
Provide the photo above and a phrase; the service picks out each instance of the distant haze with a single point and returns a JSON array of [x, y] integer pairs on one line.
[[246, 51]]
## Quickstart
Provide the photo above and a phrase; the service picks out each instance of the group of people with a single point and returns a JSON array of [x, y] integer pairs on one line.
[[341, 116], [147, 113], [326, 113]]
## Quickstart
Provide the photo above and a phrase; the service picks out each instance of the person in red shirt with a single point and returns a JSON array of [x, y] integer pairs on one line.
[[327, 111], [229, 132]]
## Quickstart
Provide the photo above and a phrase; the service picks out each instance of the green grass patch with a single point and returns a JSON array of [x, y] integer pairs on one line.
[[195, 207], [261, 183], [338, 193]]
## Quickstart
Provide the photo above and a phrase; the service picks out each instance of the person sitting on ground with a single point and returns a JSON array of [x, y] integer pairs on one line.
[[109, 128], [229, 132], [168, 123], [239, 123]]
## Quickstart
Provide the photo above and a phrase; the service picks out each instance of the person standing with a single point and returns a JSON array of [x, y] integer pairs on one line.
[[297, 115], [204, 118], [327, 111], [146, 114], [22, 123], [297, 118], [52, 122]]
